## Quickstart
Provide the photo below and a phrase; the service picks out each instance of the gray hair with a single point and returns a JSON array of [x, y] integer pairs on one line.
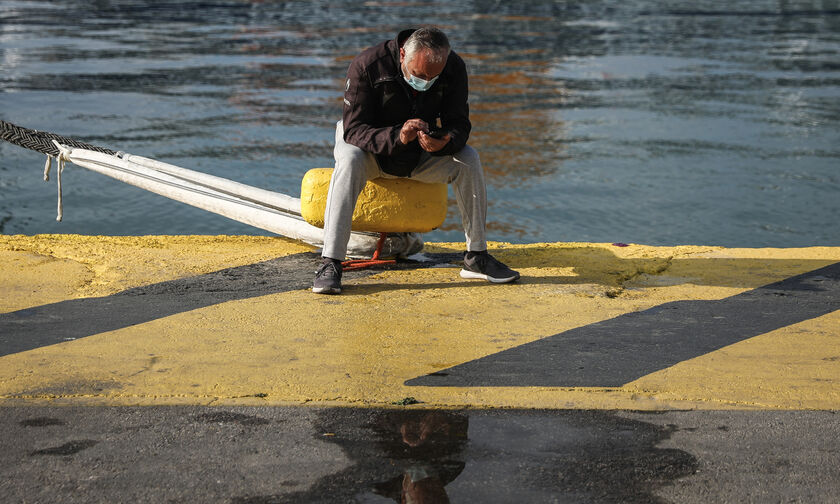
[[431, 39]]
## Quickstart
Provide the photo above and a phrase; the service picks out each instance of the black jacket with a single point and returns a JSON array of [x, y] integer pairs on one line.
[[377, 101]]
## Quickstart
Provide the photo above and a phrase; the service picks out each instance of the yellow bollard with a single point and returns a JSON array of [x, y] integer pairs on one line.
[[385, 205]]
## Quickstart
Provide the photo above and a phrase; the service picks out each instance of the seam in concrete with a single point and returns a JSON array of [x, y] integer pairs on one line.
[[49, 254], [668, 262], [632, 394], [653, 396], [624, 278]]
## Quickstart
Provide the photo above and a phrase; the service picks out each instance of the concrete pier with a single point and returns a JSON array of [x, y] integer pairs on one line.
[[224, 320]]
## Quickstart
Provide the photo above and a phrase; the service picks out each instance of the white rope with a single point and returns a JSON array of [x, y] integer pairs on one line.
[[47, 167], [271, 211], [63, 156], [278, 201]]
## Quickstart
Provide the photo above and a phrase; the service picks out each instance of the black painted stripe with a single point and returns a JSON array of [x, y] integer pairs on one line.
[[54, 323], [49, 324], [614, 352]]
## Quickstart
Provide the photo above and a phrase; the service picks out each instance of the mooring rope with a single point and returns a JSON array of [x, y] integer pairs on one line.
[[42, 141], [257, 207]]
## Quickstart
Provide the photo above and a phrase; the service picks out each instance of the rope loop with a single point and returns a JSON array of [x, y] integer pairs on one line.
[[63, 151]]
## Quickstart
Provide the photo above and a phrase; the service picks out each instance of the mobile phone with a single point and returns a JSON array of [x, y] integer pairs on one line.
[[438, 133]]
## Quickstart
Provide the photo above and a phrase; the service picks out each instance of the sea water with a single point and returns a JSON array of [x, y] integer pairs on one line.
[[665, 123]]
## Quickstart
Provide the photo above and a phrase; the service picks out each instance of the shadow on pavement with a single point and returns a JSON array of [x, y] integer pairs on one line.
[[620, 350]]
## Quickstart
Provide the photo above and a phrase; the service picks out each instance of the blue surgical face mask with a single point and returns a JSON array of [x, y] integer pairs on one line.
[[418, 83]]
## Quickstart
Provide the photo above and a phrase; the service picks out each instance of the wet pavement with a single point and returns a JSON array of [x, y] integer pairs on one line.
[[301, 455]]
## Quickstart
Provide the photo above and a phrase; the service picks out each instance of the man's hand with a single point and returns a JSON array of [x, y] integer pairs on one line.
[[432, 144], [409, 131]]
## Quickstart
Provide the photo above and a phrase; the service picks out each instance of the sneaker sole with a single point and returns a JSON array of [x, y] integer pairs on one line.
[[481, 276], [326, 290]]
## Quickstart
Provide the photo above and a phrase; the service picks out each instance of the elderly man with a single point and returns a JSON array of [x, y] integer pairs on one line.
[[396, 95]]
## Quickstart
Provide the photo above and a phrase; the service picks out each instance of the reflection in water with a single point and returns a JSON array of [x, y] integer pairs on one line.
[[405, 456], [698, 122], [517, 134], [426, 447], [438, 456]]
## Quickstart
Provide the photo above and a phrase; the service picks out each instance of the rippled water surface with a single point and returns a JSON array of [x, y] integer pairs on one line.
[[639, 121]]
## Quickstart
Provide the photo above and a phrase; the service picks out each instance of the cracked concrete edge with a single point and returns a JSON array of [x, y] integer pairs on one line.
[[631, 401]]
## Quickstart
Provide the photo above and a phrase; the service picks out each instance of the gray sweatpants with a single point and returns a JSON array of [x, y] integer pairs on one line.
[[354, 167]]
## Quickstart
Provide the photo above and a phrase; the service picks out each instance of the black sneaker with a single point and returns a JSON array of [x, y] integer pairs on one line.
[[328, 278], [483, 266]]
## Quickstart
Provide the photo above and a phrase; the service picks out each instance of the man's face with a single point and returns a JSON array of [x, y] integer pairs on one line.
[[420, 65]]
